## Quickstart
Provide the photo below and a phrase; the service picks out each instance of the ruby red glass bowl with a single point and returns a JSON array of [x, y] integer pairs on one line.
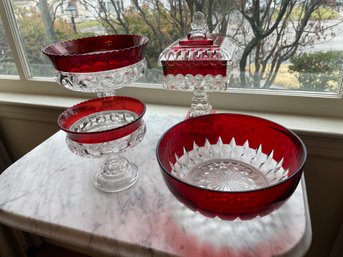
[[98, 53], [231, 165], [98, 119]]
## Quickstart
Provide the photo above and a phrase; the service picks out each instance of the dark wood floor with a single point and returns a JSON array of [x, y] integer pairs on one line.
[[48, 250]]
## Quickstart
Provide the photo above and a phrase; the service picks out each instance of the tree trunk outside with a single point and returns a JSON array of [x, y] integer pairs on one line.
[[47, 21]]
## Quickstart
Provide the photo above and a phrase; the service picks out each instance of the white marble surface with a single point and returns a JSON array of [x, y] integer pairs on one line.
[[50, 192]]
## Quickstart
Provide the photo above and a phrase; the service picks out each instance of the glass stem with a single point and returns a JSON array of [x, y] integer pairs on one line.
[[200, 104], [114, 164], [103, 94], [117, 173]]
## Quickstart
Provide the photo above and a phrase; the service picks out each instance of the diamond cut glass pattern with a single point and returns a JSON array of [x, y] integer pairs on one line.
[[228, 167]]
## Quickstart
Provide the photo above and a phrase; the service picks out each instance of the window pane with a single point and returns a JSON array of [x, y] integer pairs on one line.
[[7, 65], [282, 45]]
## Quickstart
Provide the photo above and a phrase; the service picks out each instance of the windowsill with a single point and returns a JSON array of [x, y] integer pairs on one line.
[[304, 125]]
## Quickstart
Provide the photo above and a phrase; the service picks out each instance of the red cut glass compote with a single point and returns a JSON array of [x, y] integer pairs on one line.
[[200, 62], [98, 64], [231, 166], [106, 127]]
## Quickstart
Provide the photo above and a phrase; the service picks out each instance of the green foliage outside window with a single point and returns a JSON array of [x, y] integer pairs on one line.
[[35, 38], [319, 71], [261, 50], [7, 65]]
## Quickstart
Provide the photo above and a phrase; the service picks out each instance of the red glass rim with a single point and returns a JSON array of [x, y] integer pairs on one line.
[[217, 116], [71, 115], [97, 53]]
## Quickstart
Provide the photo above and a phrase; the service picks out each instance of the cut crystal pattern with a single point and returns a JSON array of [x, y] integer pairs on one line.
[[103, 81], [228, 167], [189, 82], [111, 147], [227, 175], [200, 104], [199, 85], [116, 174], [105, 120]]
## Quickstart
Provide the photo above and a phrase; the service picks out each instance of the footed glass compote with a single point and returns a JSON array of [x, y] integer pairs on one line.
[[99, 64], [104, 128], [200, 63]]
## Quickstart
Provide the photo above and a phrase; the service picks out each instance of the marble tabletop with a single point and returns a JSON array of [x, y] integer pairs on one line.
[[50, 192]]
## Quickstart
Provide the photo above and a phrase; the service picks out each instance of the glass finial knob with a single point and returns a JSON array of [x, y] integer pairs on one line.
[[199, 26]]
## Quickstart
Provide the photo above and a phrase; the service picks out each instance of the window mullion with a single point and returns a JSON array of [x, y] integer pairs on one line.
[[14, 39]]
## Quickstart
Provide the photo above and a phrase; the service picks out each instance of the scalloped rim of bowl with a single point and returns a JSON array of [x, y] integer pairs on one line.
[[46, 51]]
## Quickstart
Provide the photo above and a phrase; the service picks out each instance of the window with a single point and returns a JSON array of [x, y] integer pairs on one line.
[[7, 64], [286, 48]]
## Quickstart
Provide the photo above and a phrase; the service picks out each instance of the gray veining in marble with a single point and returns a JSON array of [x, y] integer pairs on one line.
[[50, 192]]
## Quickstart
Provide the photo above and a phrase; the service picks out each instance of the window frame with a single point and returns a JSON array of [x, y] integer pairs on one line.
[[249, 100]]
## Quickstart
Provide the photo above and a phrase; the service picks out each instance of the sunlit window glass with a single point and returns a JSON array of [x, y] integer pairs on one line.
[[7, 65], [283, 45]]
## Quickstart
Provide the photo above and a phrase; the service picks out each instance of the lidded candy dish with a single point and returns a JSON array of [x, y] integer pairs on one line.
[[98, 64], [231, 166], [200, 62], [105, 128]]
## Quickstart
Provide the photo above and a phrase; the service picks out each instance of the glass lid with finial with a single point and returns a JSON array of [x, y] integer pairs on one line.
[[199, 62]]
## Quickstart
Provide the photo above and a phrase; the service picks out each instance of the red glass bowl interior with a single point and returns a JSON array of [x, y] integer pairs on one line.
[[111, 103], [232, 204], [99, 53]]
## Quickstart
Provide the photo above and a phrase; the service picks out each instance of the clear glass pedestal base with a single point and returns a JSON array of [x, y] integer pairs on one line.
[[199, 85], [109, 93], [200, 104], [116, 174]]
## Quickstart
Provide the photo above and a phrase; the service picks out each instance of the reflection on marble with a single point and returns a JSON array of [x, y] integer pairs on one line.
[[50, 192]]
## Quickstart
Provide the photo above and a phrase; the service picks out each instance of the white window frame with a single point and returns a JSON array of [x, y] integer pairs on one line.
[[314, 104]]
